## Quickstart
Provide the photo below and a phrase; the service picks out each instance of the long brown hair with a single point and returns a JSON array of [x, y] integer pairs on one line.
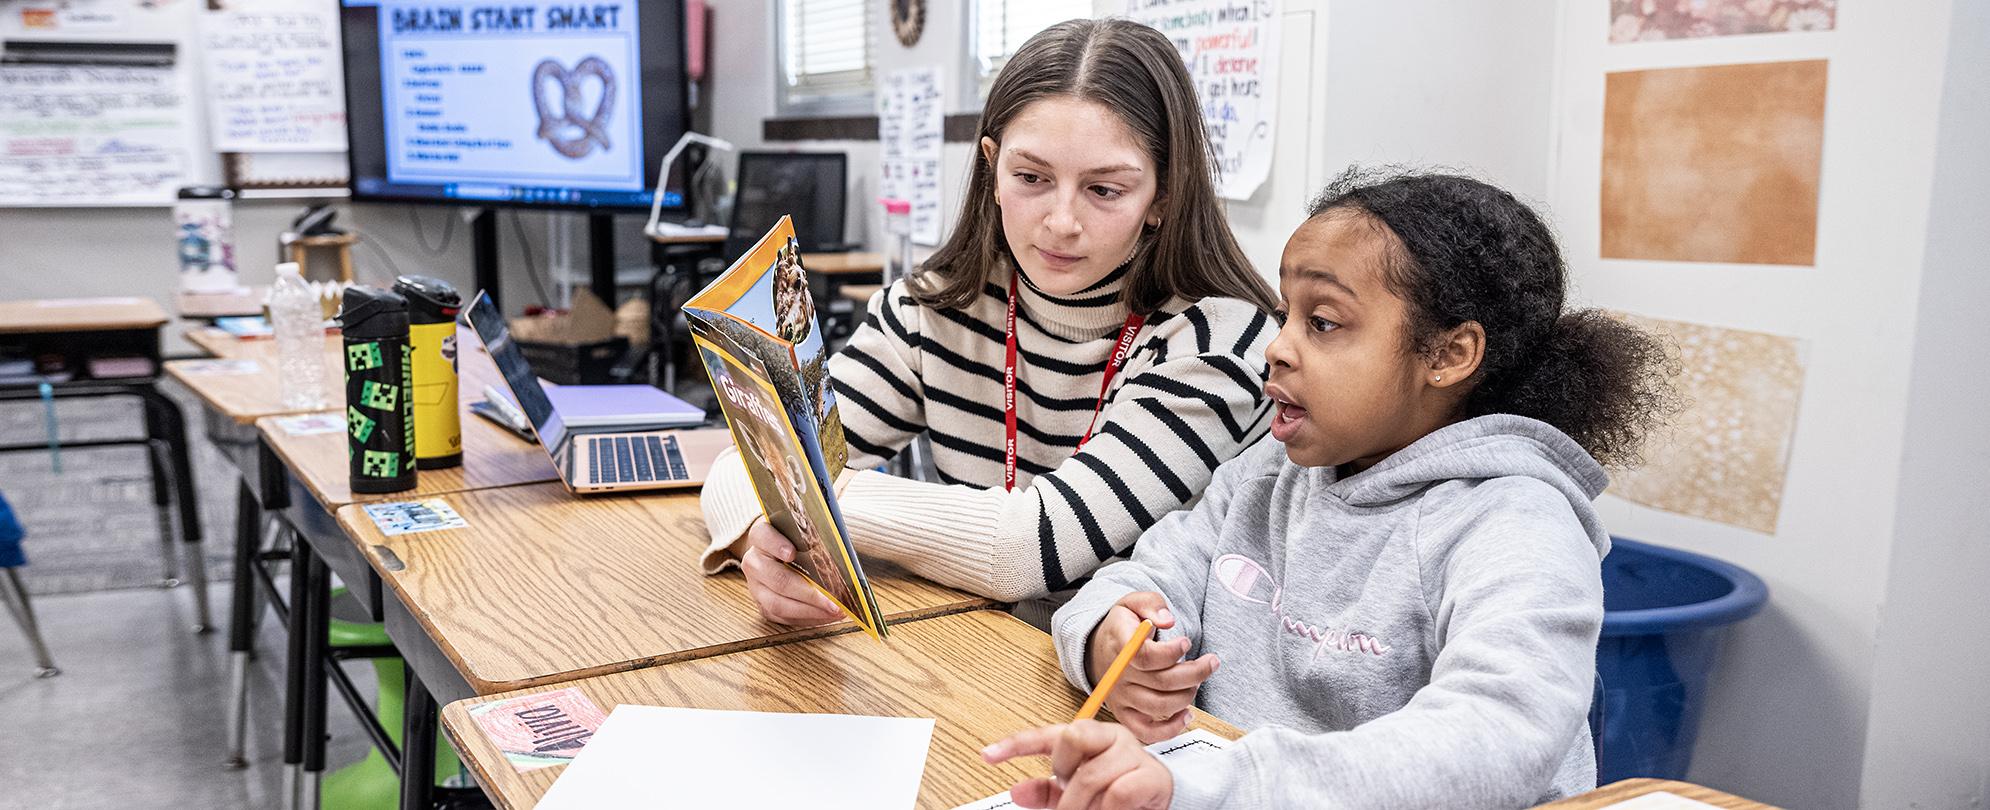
[[1136, 72]]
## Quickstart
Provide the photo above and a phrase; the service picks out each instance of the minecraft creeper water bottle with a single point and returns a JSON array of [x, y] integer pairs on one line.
[[379, 378]]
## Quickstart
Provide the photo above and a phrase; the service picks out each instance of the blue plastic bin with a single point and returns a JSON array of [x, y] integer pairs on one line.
[[1665, 613]]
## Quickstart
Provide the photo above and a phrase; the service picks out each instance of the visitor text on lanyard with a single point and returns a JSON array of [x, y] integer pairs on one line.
[[1119, 351]]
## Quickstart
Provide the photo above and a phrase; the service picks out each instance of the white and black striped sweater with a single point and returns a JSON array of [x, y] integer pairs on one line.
[[1190, 397]]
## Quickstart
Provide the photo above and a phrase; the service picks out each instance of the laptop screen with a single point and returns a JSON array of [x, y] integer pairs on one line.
[[491, 328]]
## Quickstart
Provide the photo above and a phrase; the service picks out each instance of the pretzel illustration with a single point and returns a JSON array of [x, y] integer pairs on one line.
[[594, 129]]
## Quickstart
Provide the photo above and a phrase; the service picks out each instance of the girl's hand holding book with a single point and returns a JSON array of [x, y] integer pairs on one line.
[[784, 596], [1158, 687]]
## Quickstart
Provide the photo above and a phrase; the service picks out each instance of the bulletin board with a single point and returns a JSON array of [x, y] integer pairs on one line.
[[122, 102]]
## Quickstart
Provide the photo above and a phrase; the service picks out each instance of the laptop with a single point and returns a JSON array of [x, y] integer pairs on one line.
[[595, 459]]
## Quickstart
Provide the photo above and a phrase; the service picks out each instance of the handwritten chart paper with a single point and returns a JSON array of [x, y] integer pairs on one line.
[[651, 756], [911, 130], [1232, 53], [273, 81], [90, 135]]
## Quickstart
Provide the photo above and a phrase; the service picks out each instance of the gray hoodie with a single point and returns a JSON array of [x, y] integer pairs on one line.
[[1419, 635]]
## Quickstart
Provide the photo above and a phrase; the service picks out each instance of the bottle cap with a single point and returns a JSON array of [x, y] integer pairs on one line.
[[430, 300], [370, 312]]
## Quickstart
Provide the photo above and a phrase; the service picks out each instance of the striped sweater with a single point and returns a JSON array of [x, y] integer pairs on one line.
[[1189, 397]]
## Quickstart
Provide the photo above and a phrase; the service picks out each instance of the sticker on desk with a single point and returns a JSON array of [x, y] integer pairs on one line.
[[1193, 743], [408, 517], [311, 424], [1660, 800], [542, 730], [221, 367]]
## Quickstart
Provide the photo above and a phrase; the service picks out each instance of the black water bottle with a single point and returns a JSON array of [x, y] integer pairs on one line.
[[379, 381]]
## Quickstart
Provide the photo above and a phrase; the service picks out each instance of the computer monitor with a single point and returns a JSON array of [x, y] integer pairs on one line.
[[529, 103], [808, 186]]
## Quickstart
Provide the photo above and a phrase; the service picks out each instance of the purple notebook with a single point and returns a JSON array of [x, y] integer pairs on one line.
[[621, 406]]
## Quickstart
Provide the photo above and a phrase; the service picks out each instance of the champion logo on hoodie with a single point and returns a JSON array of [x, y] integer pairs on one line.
[[1246, 579]]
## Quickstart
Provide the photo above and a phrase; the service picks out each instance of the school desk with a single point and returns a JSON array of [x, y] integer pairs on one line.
[[111, 347], [240, 302], [843, 264], [981, 676], [233, 397], [1628, 789], [543, 587], [315, 480]]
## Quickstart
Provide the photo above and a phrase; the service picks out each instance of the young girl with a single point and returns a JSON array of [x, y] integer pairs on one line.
[[1090, 230], [1399, 595]]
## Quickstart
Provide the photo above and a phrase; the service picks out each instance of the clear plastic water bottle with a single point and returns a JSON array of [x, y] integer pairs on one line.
[[299, 323]]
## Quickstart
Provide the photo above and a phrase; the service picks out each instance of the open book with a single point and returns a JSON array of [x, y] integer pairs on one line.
[[755, 327]]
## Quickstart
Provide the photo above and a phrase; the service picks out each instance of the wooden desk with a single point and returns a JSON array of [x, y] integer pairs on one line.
[[80, 315], [544, 586], [206, 306], [688, 238], [492, 456], [980, 675], [843, 264], [1632, 788], [244, 398], [80, 332], [218, 342]]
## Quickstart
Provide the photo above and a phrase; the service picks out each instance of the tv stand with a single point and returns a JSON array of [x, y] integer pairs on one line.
[[600, 254]]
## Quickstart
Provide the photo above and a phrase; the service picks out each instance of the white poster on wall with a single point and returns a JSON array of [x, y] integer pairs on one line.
[[91, 135], [911, 130], [1231, 48], [273, 81]]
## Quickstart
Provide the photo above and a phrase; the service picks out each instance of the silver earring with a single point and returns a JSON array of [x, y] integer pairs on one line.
[[1438, 378]]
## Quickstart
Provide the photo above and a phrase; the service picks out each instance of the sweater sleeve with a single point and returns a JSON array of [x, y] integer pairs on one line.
[[1517, 603], [879, 393], [1172, 559], [1161, 437]]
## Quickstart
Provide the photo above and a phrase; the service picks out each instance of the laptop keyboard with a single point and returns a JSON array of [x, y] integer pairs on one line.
[[635, 459]]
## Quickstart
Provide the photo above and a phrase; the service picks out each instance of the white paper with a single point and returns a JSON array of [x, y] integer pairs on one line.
[[273, 80], [311, 424], [651, 756], [911, 131], [409, 517], [108, 301], [1232, 54], [91, 135], [1192, 743], [219, 368], [1661, 800]]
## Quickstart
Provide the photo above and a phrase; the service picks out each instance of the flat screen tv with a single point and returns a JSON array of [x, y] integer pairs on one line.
[[567, 105]]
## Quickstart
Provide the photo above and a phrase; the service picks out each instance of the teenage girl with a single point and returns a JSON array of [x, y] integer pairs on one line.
[[1083, 351], [1398, 594]]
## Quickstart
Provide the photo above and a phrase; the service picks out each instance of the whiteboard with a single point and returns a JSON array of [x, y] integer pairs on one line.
[[284, 85], [92, 135]]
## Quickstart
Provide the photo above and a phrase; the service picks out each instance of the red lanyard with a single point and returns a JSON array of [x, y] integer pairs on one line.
[[1126, 334]]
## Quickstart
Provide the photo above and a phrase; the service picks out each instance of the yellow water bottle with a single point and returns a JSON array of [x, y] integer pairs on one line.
[[432, 308]]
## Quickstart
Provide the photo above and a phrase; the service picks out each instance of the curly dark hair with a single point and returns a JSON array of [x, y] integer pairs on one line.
[[1468, 251]]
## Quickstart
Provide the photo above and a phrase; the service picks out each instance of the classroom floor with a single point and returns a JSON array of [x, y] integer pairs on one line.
[[138, 716]]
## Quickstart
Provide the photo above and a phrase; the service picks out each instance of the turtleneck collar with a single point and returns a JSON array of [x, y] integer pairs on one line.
[[1085, 315]]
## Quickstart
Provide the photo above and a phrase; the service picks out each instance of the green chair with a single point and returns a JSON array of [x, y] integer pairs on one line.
[[371, 783]]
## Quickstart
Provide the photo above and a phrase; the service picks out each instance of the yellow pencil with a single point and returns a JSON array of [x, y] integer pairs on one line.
[[1113, 672]]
